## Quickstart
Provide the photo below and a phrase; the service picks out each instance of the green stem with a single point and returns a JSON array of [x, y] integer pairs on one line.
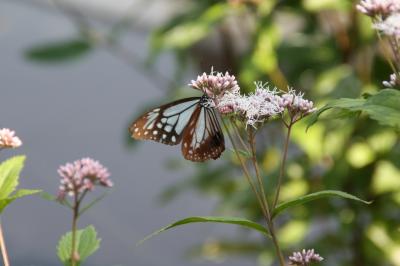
[[269, 220], [264, 207], [74, 254], [236, 128], [257, 168], [283, 164], [246, 172], [387, 55], [3, 248]]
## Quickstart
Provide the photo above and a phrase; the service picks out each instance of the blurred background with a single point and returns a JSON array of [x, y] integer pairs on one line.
[[74, 74]]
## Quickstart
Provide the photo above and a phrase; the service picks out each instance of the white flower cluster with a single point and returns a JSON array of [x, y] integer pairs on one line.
[[390, 26], [393, 82], [215, 84], [382, 8], [305, 257], [8, 139], [263, 104]]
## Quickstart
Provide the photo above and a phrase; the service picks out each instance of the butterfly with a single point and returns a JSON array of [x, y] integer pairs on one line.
[[192, 121]]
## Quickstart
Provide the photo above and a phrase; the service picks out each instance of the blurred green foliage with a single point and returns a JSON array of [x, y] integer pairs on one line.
[[327, 49]]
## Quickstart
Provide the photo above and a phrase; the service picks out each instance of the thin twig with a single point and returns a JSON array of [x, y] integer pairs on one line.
[[283, 164], [74, 254], [3, 248], [264, 207], [256, 167], [236, 128], [386, 54], [264, 197], [246, 172]]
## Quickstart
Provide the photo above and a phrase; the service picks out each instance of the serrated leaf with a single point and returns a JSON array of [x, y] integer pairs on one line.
[[383, 107], [211, 219], [59, 51], [9, 175], [313, 196], [19, 194], [86, 244]]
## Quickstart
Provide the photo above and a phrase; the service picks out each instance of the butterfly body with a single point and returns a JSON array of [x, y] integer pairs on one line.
[[192, 121]]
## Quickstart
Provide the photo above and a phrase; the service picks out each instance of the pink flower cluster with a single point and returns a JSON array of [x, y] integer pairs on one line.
[[216, 84], [296, 104], [305, 257], [8, 139], [378, 8], [263, 104], [82, 175]]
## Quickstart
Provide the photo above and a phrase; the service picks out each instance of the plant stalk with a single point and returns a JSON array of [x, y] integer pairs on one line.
[[387, 56], [74, 254], [246, 172], [283, 164], [263, 203], [3, 248], [269, 219]]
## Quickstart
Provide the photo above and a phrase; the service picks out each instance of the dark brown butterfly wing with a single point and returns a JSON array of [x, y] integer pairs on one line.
[[203, 138], [167, 123]]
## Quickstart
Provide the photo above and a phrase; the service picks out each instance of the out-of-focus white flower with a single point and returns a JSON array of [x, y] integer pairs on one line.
[[216, 84], [305, 257], [393, 82], [8, 139], [389, 26], [296, 104], [82, 175], [381, 8]]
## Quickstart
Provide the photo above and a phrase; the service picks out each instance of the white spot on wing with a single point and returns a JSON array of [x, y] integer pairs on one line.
[[168, 128]]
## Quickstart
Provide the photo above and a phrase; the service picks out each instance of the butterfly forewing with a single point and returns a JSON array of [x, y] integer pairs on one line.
[[167, 123], [203, 138]]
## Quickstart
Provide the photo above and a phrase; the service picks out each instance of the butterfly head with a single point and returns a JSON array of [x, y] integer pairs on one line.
[[206, 101]]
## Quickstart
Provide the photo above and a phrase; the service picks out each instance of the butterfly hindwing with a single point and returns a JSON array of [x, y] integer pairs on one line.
[[203, 138], [167, 123]]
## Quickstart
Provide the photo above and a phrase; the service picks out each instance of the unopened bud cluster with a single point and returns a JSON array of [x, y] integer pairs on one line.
[[8, 139], [305, 257], [82, 175], [215, 84]]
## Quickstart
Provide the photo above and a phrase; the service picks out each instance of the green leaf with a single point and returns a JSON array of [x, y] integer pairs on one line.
[[383, 107], [48, 196], [19, 194], [86, 242], [9, 175], [313, 196], [59, 51], [243, 153], [91, 204], [186, 31], [210, 219]]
